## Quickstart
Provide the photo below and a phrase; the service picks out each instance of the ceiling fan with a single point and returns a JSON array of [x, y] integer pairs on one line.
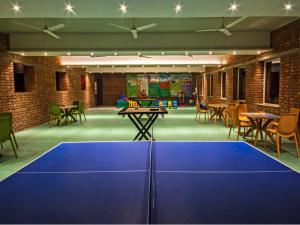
[[143, 56], [134, 30], [46, 29], [224, 28]]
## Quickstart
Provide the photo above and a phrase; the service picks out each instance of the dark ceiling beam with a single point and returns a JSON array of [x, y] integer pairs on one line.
[[146, 41]]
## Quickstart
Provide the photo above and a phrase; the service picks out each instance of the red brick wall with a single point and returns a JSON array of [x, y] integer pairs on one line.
[[31, 108]]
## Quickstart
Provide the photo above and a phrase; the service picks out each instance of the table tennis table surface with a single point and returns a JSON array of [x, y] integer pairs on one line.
[[194, 182]]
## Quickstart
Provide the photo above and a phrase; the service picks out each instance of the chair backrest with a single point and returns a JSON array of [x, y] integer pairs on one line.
[[198, 106], [234, 116], [296, 111], [241, 108], [5, 128], [77, 104], [81, 107], [55, 110], [287, 123], [7, 114]]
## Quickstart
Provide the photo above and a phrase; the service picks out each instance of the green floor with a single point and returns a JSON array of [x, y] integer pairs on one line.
[[103, 124]]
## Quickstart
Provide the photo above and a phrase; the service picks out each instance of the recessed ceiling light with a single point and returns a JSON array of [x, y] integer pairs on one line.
[[258, 52], [186, 52], [22, 53], [178, 7], [45, 53], [115, 53], [234, 52], [233, 7], [139, 53], [69, 8], [16, 7], [162, 53], [68, 53], [288, 7], [210, 53], [123, 8], [92, 53]]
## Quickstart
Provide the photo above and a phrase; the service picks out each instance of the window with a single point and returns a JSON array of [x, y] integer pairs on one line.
[[239, 83], [82, 83], [24, 79], [210, 85], [61, 81], [223, 84], [272, 77]]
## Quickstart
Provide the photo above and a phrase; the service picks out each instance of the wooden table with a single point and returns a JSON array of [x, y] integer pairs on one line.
[[135, 114], [68, 112], [218, 110], [260, 122]]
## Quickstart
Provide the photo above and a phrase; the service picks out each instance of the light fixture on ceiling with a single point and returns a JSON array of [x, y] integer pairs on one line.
[[234, 52], [233, 7], [70, 8], [123, 8], [115, 53], [22, 53], [162, 53], [16, 8], [45, 53], [92, 54], [288, 7], [210, 52], [178, 7], [68, 53], [258, 52]]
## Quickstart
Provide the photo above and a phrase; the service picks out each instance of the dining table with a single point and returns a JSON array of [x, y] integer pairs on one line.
[[218, 111], [67, 109], [260, 122]]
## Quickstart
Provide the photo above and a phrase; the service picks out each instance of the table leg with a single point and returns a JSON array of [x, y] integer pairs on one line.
[[134, 119], [144, 131]]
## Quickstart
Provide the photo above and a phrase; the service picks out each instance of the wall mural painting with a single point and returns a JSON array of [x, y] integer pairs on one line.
[[131, 85], [143, 85], [154, 85]]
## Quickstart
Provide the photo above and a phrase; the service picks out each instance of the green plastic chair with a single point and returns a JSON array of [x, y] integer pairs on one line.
[[56, 115], [79, 112], [5, 132], [9, 114]]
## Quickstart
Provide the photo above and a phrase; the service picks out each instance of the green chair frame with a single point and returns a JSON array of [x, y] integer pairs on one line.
[[5, 132]]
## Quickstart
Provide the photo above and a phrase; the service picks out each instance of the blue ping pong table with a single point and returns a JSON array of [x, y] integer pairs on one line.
[[191, 182]]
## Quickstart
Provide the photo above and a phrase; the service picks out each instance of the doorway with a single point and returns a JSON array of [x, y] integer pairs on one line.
[[98, 89]]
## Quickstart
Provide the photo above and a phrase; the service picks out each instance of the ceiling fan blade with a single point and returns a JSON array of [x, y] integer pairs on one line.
[[51, 34], [235, 22], [118, 26], [29, 26], [145, 56], [56, 27], [134, 34], [225, 31], [146, 27], [209, 30]]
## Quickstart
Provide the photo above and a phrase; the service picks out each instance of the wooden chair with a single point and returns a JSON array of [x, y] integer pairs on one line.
[[5, 133], [200, 111], [237, 123], [287, 128], [292, 110], [242, 108], [227, 113]]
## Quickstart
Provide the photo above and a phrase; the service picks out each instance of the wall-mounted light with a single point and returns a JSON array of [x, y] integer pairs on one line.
[[68, 53], [178, 7], [45, 53], [233, 7], [288, 7], [70, 8]]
